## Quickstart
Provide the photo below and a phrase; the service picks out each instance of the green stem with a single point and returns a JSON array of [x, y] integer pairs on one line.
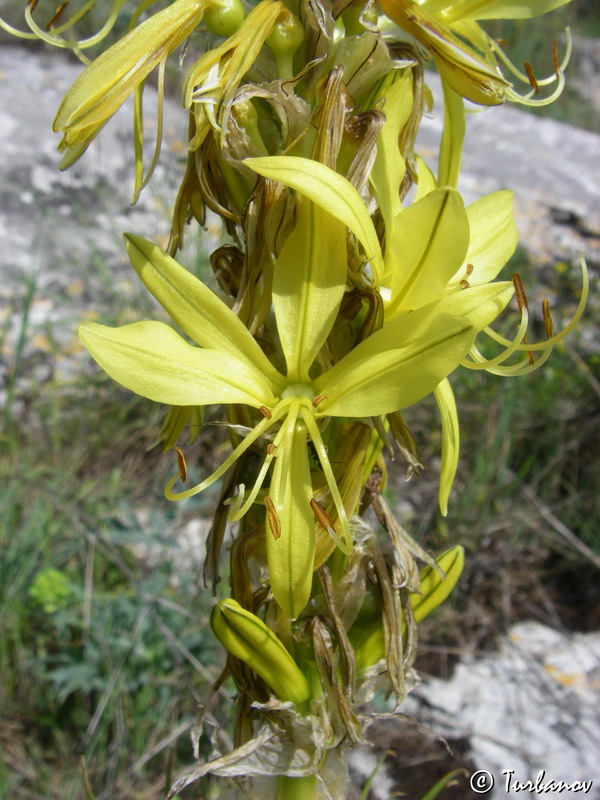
[[296, 788]]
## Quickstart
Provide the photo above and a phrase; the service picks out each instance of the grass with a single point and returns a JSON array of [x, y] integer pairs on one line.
[[103, 619]]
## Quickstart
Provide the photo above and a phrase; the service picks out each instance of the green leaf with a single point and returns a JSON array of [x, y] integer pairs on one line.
[[308, 286], [329, 190], [197, 310], [435, 790], [427, 245], [450, 440], [152, 360]]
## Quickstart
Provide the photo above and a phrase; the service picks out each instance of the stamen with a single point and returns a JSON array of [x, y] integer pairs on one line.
[[273, 518], [501, 42], [57, 15], [271, 448], [470, 269], [321, 515], [555, 61], [319, 399], [345, 544], [531, 76], [181, 464], [265, 412], [558, 337], [464, 284], [520, 292], [548, 324]]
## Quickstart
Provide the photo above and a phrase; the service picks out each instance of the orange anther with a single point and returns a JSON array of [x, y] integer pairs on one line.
[[520, 292], [57, 15], [555, 62], [271, 448], [532, 79], [319, 399], [548, 324], [181, 463], [265, 412], [321, 515], [273, 518]]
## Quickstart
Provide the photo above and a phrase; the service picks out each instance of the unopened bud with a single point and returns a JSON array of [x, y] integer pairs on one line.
[[247, 637]]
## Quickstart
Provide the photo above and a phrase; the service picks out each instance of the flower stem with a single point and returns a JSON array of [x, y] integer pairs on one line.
[[296, 788]]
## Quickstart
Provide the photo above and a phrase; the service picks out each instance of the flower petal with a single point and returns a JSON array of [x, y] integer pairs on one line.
[[391, 379], [195, 308], [389, 167], [493, 239], [329, 190], [498, 9], [152, 360], [308, 286], [290, 533], [450, 440], [428, 243], [109, 80]]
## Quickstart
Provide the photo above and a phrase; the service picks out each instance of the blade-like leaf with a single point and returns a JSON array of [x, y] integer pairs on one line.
[[329, 190], [194, 307], [308, 285], [152, 360]]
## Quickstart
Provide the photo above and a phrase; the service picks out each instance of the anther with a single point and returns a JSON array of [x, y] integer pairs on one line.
[[501, 42], [319, 399], [522, 303], [273, 518], [548, 324], [520, 292], [32, 4], [57, 15], [181, 464], [532, 79], [321, 515], [470, 269], [265, 412], [555, 61], [271, 448], [464, 284]]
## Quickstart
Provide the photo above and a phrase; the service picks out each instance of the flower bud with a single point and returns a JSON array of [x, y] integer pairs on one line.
[[247, 637], [224, 17]]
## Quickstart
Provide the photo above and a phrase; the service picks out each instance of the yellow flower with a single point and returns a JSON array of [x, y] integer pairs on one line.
[[393, 368]]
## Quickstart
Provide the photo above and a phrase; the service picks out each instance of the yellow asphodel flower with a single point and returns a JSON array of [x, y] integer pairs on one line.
[[393, 368], [474, 73], [107, 82]]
